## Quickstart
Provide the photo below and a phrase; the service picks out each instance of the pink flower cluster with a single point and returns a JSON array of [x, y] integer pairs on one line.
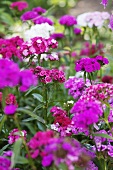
[[86, 113], [92, 49], [20, 5], [37, 45], [55, 150], [91, 64], [62, 123], [11, 76], [15, 134], [104, 3], [100, 92], [47, 76], [9, 48], [68, 20]]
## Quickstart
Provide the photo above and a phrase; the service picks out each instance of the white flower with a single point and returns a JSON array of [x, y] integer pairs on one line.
[[39, 30], [91, 19]]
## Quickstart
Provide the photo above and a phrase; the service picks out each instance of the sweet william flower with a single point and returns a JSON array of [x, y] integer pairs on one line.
[[111, 22], [68, 20], [104, 3], [20, 5], [10, 109]]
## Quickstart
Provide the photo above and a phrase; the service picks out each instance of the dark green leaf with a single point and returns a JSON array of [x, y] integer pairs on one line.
[[41, 126], [5, 147], [38, 97]]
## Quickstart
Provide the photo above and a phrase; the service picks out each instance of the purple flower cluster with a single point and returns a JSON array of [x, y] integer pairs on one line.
[[10, 47], [15, 134], [76, 86], [104, 2], [77, 31], [91, 166], [39, 10], [37, 45], [42, 19], [68, 20], [47, 76], [62, 123], [86, 113], [20, 5], [100, 92], [11, 76], [91, 64], [103, 144], [58, 150], [57, 36], [4, 163]]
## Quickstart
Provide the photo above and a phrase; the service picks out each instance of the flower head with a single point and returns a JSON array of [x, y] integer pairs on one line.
[[10, 109], [104, 3], [20, 5], [68, 20]]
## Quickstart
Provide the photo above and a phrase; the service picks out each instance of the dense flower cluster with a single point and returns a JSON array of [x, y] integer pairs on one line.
[[39, 10], [85, 113], [77, 31], [92, 49], [52, 57], [91, 64], [76, 86], [20, 5], [33, 14], [100, 92], [43, 30], [91, 19], [11, 76], [58, 150], [10, 47], [47, 76], [103, 144], [15, 134], [37, 45], [42, 19], [68, 20], [62, 123]]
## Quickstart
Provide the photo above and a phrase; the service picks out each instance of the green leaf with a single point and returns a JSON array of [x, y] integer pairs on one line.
[[16, 152], [31, 114], [41, 126], [30, 90], [38, 97], [4, 148], [31, 128], [63, 166], [103, 135], [28, 119], [38, 107], [22, 160], [7, 18], [106, 112], [67, 48]]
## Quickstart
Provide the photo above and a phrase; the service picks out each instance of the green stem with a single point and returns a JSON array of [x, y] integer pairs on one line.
[[25, 144], [2, 122]]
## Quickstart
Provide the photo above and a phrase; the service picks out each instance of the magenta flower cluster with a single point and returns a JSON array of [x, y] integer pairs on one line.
[[86, 113], [57, 36], [57, 150], [100, 92], [37, 45], [10, 47], [15, 134], [62, 123], [76, 86], [104, 3], [20, 5], [47, 76], [91, 64], [42, 19], [68, 20], [11, 76]]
